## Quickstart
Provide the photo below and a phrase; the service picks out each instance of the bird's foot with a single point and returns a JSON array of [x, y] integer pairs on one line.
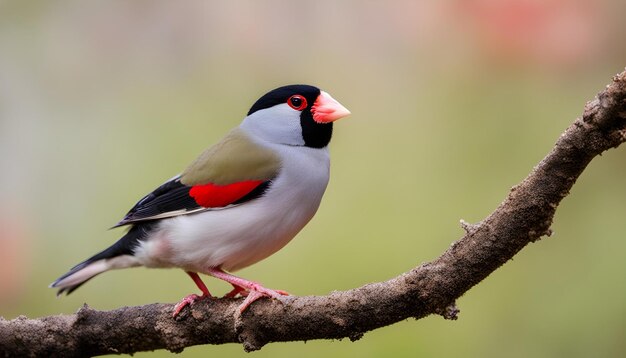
[[237, 291], [257, 291], [187, 301], [251, 290]]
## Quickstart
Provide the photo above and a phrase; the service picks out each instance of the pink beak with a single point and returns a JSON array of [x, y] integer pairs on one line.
[[326, 109]]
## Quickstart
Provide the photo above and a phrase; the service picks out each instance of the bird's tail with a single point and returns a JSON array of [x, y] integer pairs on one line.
[[118, 255]]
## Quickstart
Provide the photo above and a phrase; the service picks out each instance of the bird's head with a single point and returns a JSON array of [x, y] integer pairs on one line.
[[298, 115]]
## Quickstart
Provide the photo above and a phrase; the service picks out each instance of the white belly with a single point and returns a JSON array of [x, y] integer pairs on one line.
[[236, 237]]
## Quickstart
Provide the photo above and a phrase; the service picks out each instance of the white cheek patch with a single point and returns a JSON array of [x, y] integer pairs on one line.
[[279, 124]]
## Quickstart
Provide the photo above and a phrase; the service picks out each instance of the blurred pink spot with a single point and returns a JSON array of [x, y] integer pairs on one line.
[[14, 259], [547, 32]]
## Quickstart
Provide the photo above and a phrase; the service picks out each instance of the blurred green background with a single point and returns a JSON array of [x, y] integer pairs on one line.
[[453, 102]]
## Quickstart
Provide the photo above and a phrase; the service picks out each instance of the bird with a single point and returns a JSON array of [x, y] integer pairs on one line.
[[240, 201]]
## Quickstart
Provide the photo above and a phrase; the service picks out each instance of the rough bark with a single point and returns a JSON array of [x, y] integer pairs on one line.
[[431, 288]]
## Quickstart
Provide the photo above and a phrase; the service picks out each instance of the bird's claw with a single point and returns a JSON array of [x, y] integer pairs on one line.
[[187, 301], [243, 292], [257, 291]]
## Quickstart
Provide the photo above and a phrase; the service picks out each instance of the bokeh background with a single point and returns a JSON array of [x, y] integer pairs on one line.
[[453, 103]]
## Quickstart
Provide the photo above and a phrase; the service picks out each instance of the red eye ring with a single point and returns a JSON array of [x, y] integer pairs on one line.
[[297, 102]]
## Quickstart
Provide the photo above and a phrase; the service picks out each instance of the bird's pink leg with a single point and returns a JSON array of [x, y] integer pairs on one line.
[[254, 289], [193, 297], [237, 291]]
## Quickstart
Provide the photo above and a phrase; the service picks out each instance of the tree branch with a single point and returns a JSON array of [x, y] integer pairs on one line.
[[523, 217]]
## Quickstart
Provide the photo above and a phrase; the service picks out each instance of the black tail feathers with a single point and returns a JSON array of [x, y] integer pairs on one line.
[[97, 264]]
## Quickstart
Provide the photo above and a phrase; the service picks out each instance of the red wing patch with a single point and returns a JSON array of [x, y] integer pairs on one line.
[[215, 196]]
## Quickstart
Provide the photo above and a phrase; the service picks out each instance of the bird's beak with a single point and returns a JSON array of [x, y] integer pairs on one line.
[[326, 109]]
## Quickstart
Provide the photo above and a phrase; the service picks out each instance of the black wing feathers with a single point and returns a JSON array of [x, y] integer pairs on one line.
[[171, 196]]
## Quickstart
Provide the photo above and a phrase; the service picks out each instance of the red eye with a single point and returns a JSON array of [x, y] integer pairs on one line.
[[297, 102]]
